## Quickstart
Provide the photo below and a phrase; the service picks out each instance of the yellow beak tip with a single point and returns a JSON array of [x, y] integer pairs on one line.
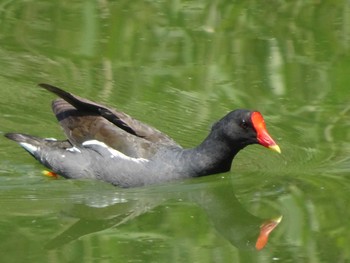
[[275, 148]]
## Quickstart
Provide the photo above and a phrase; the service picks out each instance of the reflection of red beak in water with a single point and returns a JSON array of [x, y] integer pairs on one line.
[[265, 230]]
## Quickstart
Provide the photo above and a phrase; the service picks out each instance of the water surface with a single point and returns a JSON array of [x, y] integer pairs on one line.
[[180, 66]]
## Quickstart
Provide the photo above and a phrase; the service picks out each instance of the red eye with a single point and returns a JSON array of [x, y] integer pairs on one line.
[[244, 124]]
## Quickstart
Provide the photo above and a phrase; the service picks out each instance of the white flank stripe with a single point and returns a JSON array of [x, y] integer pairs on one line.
[[73, 149], [114, 153], [51, 139]]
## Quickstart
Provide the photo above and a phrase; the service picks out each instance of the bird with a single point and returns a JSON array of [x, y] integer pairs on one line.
[[106, 144]]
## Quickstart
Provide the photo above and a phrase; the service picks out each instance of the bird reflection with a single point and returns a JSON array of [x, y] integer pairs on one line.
[[217, 199]]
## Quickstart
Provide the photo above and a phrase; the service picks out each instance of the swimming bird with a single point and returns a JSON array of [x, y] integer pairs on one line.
[[106, 144]]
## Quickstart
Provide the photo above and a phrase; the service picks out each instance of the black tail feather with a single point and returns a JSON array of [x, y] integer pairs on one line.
[[21, 137], [89, 106]]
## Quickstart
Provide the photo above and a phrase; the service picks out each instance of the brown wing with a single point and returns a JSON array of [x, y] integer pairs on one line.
[[84, 120]]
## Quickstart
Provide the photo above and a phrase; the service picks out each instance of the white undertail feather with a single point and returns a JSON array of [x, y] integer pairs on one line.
[[29, 147]]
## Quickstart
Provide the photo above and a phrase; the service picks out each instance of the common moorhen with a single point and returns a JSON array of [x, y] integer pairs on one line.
[[111, 146]]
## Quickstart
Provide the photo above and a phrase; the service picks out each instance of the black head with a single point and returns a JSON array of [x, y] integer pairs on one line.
[[244, 127]]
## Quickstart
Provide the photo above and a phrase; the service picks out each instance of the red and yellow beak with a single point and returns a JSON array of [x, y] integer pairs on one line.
[[263, 136]]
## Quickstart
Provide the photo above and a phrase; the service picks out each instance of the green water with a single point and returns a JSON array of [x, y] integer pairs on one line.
[[180, 66]]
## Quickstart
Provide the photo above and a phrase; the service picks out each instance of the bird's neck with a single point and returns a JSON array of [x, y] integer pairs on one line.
[[213, 155]]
